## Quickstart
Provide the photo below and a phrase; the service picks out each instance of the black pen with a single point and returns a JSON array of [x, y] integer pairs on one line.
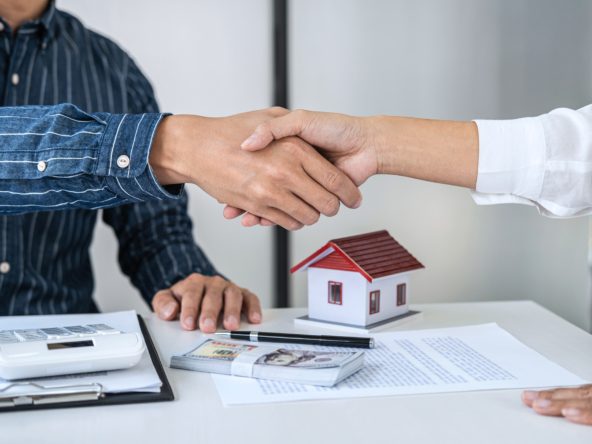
[[291, 338]]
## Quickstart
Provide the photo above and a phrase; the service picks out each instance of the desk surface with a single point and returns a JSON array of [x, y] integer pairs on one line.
[[197, 415]]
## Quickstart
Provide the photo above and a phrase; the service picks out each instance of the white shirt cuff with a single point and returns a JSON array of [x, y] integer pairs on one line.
[[512, 156]]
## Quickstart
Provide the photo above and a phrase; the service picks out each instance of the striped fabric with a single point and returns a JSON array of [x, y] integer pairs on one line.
[[55, 156]]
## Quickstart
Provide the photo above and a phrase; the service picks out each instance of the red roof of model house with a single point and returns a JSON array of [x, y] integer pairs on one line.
[[373, 255]]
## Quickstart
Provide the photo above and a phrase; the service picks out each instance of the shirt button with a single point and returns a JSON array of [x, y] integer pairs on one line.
[[15, 79], [4, 267], [123, 161], [41, 166]]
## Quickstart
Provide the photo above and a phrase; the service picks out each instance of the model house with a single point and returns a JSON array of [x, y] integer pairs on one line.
[[359, 280]]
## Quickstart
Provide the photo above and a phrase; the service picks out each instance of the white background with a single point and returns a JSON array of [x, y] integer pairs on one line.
[[457, 59]]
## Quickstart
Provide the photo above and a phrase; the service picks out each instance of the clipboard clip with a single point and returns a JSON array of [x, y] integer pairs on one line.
[[31, 393]]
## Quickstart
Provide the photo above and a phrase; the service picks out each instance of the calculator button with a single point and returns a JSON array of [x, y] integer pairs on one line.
[[7, 337], [81, 330], [56, 333], [30, 335], [104, 329]]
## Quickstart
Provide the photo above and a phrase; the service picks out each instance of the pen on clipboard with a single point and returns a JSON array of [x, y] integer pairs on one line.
[[291, 338]]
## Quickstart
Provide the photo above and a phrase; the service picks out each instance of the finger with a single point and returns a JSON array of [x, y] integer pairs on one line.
[[584, 391], [291, 124], [282, 219], [319, 198], [251, 307], [294, 206], [165, 305], [190, 292], [578, 414], [331, 178], [250, 220], [233, 302], [232, 212], [555, 407], [212, 304]]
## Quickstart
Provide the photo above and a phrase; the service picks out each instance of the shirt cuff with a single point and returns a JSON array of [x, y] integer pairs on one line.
[[512, 155], [124, 155]]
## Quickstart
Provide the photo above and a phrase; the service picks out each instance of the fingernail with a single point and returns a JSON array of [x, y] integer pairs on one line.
[[169, 309], [529, 395], [571, 411], [543, 403], [189, 322], [358, 203], [231, 321], [250, 141], [256, 317], [209, 324]]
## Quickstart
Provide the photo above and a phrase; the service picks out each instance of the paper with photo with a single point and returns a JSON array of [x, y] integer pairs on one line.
[[140, 378], [480, 357]]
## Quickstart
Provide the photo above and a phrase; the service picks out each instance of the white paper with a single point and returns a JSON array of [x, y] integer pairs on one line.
[[480, 357], [140, 378]]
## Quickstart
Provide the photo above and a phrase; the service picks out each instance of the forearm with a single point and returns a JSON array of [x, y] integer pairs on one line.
[[434, 150]]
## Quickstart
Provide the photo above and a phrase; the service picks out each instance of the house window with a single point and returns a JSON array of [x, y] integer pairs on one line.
[[374, 301], [335, 293], [401, 294]]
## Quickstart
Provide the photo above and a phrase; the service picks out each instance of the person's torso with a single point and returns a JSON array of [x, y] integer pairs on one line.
[[44, 257]]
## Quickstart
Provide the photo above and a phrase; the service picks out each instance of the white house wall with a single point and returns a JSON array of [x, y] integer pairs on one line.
[[388, 297], [354, 296]]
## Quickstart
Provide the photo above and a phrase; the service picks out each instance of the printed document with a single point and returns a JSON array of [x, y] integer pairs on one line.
[[480, 357]]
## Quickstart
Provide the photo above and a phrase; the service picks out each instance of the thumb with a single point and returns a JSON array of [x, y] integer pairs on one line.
[[292, 124]]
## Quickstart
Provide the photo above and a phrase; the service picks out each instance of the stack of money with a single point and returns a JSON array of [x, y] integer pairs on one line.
[[325, 368]]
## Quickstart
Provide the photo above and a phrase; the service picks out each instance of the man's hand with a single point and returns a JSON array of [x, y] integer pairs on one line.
[[575, 404], [200, 300], [344, 140], [288, 183]]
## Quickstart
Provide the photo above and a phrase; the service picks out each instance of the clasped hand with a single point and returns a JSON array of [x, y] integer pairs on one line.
[[287, 183]]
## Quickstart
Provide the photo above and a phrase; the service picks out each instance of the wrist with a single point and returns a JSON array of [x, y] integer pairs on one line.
[[175, 143], [379, 142]]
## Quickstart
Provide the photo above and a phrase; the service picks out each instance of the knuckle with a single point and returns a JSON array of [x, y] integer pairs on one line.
[[331, 206], [292, 146], [332, 179], [299, 113], [312, 218], [195, 277], [259, 191], [277, 111], [218, 280], [294, 225]]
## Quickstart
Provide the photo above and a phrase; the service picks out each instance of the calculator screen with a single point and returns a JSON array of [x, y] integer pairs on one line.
[[69, 344]]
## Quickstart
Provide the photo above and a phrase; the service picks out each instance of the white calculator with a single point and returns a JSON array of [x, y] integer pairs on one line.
[[34, 353]]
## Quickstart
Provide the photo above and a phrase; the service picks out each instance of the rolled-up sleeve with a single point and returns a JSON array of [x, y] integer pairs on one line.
[[545, 161], [54, 157]]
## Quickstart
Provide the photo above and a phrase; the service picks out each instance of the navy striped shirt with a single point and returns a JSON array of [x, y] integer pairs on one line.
[[76, 125]]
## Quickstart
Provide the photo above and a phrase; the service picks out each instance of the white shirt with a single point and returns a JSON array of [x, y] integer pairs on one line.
[[544, 161]]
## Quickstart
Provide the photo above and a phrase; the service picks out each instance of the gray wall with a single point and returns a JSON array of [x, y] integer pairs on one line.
[[432, 58], [455, 59]]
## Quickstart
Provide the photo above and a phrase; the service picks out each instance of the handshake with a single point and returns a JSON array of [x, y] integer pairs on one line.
[[273, 166], [287, 168]]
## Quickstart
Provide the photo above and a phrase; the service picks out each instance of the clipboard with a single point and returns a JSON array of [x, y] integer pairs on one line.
[[86, 395]]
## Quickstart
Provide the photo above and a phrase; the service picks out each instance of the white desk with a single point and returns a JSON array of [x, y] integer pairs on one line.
[[197, 415]]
